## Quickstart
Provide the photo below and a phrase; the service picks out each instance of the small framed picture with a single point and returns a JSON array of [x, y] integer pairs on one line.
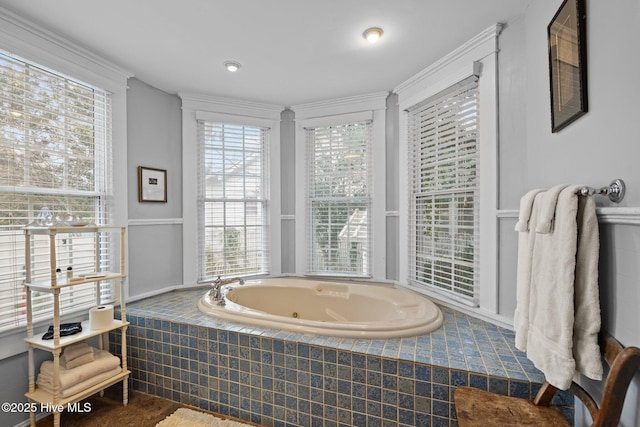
[[568, 64], [152, 184]]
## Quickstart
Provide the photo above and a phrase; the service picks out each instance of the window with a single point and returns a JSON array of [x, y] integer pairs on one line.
[[339, 198], [443, 202], [232, 200], [55, 144]]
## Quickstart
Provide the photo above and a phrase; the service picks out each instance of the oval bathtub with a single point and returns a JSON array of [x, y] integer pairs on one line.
[[327, 308]]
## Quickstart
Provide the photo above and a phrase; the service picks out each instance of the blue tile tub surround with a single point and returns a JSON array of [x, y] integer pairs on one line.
[[281, 378]]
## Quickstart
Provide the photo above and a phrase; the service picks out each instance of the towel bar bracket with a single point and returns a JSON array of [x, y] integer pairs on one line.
[[615, 191]]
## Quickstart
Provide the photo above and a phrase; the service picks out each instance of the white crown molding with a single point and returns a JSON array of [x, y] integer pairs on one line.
[[488, 34], [210, 103], [351, 104], [22, 37]]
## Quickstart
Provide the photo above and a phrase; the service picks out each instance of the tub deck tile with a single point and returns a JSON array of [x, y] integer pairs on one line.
[[281, 377]]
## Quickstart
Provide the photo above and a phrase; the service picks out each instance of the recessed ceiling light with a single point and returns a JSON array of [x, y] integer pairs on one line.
[[372, 34], [232, 66]]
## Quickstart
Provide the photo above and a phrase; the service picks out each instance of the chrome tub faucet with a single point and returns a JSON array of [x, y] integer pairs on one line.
[[216, 292]]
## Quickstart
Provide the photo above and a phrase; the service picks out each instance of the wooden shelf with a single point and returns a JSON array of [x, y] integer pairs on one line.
[[40, 395], [86, 333], [45, 285], [44, 397], [36, 230]]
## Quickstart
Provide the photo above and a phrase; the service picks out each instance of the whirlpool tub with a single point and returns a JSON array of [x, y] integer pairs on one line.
[[326, 308]]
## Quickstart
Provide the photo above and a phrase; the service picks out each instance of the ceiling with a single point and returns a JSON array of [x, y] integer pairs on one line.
[[291, 51]]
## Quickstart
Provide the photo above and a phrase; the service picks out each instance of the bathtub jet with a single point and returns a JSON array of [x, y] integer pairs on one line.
[[352, 310]]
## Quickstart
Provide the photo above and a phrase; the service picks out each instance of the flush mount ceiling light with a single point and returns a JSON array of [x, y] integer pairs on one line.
[[232, 66], [372, 34]]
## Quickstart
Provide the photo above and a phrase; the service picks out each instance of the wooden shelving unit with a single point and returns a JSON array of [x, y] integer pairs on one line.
[[54, 285]]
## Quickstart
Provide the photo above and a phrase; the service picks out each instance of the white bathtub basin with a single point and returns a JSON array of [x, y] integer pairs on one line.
[[327, 308]]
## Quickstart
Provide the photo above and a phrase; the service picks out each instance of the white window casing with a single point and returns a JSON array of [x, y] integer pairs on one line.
[[476, 57], [443, 192], [202, 108], [232, 200], [51, 53], [336, 114]]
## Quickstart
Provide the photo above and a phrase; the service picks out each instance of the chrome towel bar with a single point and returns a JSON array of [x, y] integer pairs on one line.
[[615, 191]]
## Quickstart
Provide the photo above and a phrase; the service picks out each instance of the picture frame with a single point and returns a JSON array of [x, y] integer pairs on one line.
[[566, 34], [152, 184]]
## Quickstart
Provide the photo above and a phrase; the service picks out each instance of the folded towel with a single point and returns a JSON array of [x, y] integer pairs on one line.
[[80, 360], [548, 209], [65, 329], [77, 388], [526, 204], [76, 350], [104, 361]]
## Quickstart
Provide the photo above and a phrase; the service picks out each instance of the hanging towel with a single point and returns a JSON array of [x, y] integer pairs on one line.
[[526, 204], [549, 201], [557, 318], [526, 240], [587, 319]]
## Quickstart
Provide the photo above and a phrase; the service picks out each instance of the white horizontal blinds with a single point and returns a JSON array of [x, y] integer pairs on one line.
[[339, 199], [232, 199], [55, 136], [443, 207]]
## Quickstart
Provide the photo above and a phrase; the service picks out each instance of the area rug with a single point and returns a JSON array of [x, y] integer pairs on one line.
[[184, 417]]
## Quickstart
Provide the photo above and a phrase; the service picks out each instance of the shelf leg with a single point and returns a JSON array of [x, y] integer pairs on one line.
[[32, 417], [125, 382]]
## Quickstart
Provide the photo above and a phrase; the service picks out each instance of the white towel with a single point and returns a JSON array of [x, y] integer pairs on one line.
[[549, 201], [80, 360], [526, 205], [526, 240], [587, 320], [77, 388], [76, 350], [557, 288], [104, 361]]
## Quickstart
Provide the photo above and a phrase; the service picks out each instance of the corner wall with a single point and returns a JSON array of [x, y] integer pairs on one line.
[[597, 148], [154, 134]]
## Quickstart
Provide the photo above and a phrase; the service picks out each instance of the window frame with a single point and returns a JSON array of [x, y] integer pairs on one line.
[[223, 110], [32, 189], [476, 57], [336, 112], [27, 40], [314, 200], [225, 199]]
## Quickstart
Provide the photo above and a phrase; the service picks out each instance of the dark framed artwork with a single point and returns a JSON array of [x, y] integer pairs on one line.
[[568, 63], [152, 184]]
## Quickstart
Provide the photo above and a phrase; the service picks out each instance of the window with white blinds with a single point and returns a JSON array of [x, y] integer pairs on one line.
[[232, 200], [339, 199], [55, 143], [443, 200]]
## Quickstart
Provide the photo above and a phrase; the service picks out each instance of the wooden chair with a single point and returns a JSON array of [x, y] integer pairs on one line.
[[476, 407]]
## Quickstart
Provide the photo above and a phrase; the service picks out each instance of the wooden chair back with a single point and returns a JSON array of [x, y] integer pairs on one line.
[[624, 363]]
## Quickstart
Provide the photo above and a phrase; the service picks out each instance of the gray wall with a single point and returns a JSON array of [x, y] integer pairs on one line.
[[154, 136], [600, 146], [288, 190]]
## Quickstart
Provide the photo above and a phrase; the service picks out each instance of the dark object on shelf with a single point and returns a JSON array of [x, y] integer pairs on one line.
[[65, 329]]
